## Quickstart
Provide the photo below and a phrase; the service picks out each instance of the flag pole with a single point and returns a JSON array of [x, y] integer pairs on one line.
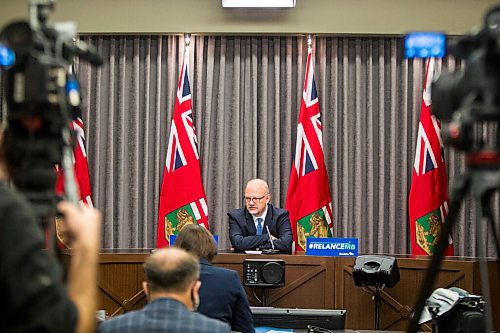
[[187, 41], [309, 42]]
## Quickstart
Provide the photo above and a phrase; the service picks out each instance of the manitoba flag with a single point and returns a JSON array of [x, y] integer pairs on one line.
[[428, 201], [182, 197], [308, 199]]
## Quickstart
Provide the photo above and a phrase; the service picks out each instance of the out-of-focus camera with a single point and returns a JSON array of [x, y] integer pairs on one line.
[[467, 98], [41, 96]]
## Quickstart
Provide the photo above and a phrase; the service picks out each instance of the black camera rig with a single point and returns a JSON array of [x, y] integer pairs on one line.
[[466, 99], [42, 96], [467, 102]]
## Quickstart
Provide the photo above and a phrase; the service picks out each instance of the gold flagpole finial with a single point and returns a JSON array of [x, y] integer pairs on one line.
[[187, 39]]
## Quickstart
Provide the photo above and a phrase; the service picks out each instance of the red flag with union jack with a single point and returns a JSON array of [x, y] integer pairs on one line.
[[308, 199], [428, 200], [182, 197]]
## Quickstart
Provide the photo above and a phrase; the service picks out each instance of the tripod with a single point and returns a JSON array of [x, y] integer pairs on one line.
[[482, 179], [377, 298]]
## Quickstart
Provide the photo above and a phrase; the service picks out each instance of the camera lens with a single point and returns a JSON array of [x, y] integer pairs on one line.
[[18, 36]]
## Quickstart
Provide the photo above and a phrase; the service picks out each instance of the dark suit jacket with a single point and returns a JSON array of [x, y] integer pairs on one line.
[[242, 231], [222, 297], [163, 315]]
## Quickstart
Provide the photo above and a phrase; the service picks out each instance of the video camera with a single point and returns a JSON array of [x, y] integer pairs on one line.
[[467, 101], [463, 100], [42, 97]]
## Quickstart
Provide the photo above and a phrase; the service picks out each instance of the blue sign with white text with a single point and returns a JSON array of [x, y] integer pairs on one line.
[[332, 247]]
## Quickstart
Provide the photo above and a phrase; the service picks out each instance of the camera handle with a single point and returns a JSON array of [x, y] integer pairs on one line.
[[70, 186], [483, 181]]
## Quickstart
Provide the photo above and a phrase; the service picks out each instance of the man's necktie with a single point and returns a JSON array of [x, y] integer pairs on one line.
[[259, 226]]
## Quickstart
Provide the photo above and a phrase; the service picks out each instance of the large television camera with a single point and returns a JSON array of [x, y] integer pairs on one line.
[[466, 99], [42, 97]]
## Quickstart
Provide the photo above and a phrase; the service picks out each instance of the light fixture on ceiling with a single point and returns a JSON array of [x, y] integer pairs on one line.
[[258, 3]]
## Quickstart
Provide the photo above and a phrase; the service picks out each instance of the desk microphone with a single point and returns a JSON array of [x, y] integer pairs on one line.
[[273, 251], [270, 238]]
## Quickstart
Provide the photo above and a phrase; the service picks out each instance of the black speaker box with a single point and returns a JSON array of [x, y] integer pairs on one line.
[[264, 273], [372, 270]]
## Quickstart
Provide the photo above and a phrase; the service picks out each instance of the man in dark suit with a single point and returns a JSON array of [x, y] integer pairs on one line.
[[226, 300], [248, 226], [171, 287]]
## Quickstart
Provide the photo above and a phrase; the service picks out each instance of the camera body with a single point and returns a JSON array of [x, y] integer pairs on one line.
[[466, 98], [42, 97]]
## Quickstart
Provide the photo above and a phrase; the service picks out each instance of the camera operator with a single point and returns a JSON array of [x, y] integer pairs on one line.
[[34, 296]]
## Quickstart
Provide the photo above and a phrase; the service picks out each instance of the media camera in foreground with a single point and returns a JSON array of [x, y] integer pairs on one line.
[[41, 97], [465, 98]]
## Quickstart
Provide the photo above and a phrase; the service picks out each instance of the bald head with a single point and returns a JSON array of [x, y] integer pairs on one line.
[[257, 196], [171, 270], [258, 184]]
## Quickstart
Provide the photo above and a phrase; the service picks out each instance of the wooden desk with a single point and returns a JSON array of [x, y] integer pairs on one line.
[[311, 282], [308, 280], [120, 280]]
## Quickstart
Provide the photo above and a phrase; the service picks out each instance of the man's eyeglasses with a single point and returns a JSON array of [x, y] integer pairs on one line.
[[255, 199]]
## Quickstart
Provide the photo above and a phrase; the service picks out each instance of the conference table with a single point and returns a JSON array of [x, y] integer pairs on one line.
[[310, 282]]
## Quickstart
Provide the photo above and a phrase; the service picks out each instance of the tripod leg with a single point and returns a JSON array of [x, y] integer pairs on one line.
[[484, 214], [377, 308], [489, 215], [458, 193]]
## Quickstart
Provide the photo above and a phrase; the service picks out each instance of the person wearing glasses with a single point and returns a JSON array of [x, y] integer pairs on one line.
[[259, 225]]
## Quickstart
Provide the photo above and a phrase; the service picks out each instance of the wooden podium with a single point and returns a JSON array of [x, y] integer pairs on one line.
[[310, 282]]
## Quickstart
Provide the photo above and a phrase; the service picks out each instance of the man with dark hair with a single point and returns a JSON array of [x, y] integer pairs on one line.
[[259, 225], [221, 294], [171, 288]]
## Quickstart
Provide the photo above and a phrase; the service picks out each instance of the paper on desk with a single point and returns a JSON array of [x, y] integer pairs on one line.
[[253, 252]]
